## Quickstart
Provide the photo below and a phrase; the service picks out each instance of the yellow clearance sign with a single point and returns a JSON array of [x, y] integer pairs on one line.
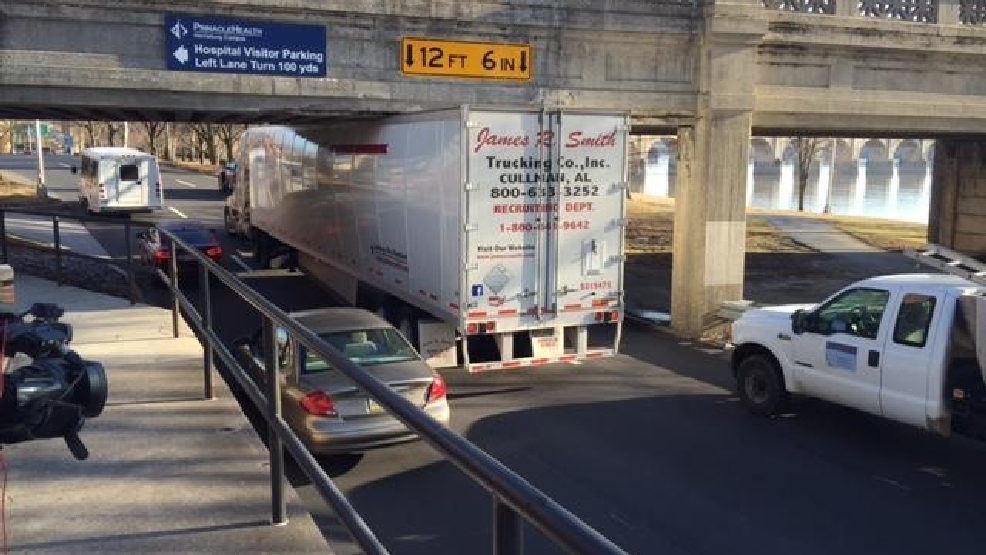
[[474, 60]]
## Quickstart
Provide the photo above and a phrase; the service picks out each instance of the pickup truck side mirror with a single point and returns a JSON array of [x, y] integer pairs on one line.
[[798, 321]]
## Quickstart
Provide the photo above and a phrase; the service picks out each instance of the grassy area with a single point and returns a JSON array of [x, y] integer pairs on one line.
[[15, 190], [652, 221], [888, 235]]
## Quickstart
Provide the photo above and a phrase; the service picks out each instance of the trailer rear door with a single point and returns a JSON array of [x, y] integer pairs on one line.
[[545, 199], [506, 210], [585, 254]]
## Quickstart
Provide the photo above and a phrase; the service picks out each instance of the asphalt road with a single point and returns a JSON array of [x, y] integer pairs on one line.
[[651, 448], [188, 195]]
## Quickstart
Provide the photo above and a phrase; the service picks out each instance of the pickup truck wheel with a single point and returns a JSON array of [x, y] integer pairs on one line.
[[760, 385]]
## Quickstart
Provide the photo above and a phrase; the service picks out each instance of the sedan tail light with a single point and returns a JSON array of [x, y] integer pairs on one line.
[[162, 255], [437, 390], [214, 252], [318, 403]]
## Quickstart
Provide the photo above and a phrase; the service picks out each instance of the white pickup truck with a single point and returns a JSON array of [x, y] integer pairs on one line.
[[910, 347]]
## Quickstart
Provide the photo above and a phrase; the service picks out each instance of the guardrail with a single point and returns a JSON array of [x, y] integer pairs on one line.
[[514, 498], [56, 248]]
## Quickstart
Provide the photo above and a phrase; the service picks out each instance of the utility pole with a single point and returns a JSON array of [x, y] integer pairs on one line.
[[42, 192]]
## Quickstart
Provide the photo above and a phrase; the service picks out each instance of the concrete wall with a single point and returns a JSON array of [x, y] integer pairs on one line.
[[627, 54], [958, 201]]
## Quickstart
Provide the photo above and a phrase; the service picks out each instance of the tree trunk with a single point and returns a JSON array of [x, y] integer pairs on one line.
[[168, 147], [802, 188]]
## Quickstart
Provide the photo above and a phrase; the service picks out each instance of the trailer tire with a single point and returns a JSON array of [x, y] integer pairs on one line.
[[261, 250], [760, 385]]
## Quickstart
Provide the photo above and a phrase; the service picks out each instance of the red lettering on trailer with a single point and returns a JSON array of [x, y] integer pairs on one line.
[[539, 361], [507, 312], [453, 305], [488, 138], [477, 314], [575, 306], [511, 364], [595, 285], [578, 207], [603, 140]]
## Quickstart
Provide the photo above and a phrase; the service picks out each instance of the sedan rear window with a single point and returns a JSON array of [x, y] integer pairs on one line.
[[195, 237], [364, 347]]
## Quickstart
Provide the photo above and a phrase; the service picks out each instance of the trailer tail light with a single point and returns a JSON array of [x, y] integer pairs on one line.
[[490, 327], [318, 403], [472, 328], [611, 316], [437, 390]]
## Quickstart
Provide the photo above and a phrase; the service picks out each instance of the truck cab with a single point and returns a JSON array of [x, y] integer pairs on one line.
[[903, 347]]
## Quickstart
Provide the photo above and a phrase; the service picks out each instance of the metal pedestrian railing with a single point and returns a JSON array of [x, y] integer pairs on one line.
[[514, 499], [57, 247]]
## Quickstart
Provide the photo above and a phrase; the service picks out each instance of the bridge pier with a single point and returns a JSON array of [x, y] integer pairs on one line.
[[709, 244], [957, 212]]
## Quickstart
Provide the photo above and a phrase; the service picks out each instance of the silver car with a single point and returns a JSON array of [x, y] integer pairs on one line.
[[326, 409]]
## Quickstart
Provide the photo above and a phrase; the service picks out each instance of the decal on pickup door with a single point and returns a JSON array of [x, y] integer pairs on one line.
[[842, 356]]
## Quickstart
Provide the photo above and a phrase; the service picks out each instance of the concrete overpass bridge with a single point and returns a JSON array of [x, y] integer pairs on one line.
[[709, 72]]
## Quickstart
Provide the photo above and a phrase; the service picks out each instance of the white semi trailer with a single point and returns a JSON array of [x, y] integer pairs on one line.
[[490, 237]]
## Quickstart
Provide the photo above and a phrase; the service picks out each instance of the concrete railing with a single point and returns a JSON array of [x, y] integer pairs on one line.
[[944, 12]]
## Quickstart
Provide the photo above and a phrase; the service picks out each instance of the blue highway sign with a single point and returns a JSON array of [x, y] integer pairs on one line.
[[223, 45]]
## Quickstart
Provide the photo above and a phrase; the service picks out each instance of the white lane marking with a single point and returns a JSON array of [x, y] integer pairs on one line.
[[64, 165], [242, 264], [175, 210], [186, 183]]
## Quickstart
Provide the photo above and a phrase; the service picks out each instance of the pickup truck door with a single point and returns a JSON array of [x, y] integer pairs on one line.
[[839, 355], [908, 357]]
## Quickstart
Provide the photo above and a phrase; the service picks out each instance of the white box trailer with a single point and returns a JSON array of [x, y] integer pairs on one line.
[[498, 229]]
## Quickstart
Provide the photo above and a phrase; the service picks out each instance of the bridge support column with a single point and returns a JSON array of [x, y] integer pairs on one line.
[[710, 218], [713, 153], [958, 195]]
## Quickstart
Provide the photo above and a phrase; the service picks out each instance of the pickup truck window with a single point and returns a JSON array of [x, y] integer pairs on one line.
[[855, 312], [914, 320]]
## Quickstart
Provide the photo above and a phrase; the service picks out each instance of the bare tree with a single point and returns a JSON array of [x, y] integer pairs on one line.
[[206, 135], [92, 130], [806, 149], [6, 133], [112, 130], [229, 133], [153, 130]]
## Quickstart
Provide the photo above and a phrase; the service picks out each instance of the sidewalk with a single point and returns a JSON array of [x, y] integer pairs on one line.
[[72, 235], [167, 473]]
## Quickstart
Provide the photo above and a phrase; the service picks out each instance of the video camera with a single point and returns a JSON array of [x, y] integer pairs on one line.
[[54, 394]]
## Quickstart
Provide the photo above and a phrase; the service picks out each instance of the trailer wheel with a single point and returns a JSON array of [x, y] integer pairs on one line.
[[407, 324], [261, 250], [760, 385]]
